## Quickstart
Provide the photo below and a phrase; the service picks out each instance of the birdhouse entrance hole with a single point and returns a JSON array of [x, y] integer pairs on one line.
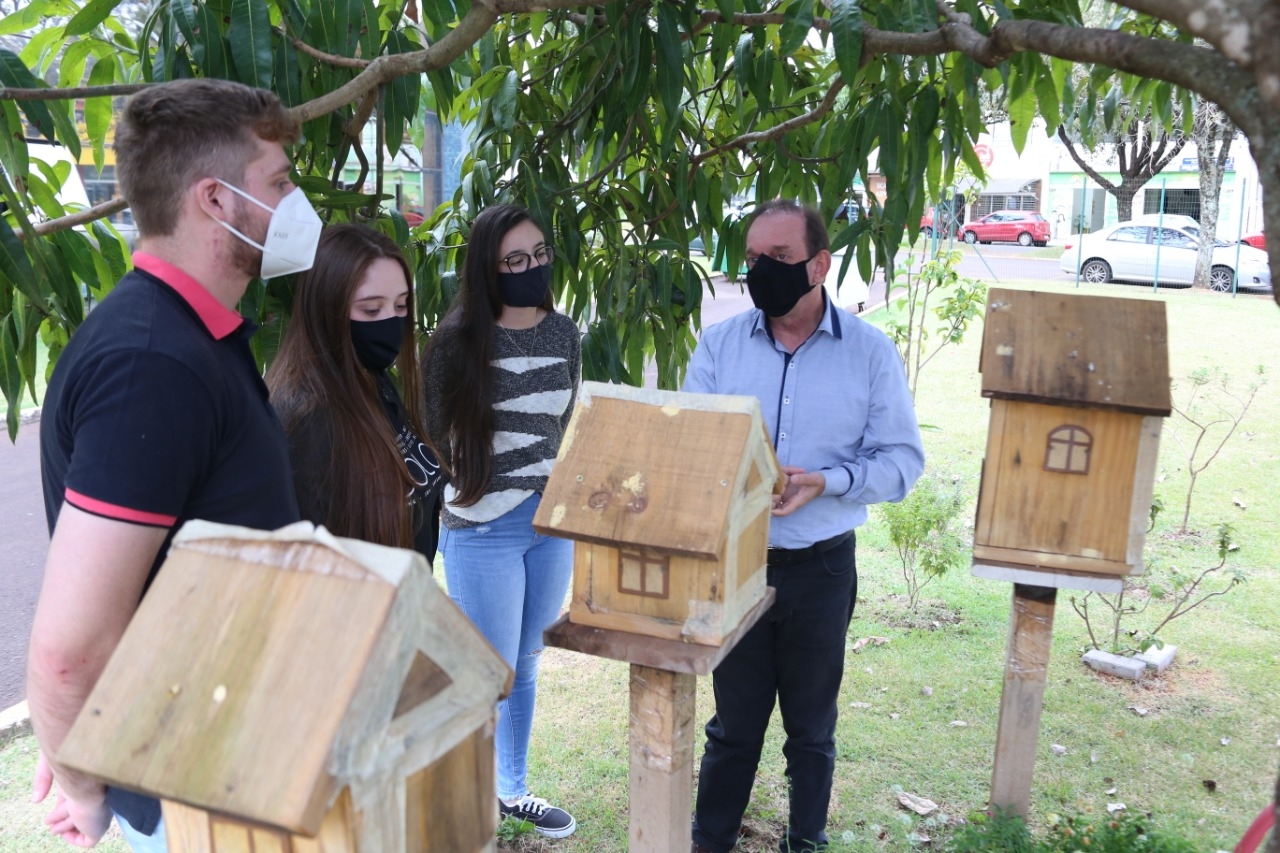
[[644, 574]]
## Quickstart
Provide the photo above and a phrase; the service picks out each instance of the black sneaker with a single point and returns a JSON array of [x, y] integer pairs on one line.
[[546, 819]]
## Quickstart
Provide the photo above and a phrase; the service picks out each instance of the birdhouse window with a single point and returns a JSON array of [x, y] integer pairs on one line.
[[644, 574], [1069, 449]]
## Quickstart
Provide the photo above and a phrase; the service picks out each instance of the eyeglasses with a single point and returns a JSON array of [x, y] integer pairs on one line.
[[520, 261]]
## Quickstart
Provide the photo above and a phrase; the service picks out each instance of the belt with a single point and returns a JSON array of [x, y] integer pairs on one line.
[[791, 556]]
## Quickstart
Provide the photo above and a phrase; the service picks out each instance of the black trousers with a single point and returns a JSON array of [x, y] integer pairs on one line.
[[795, 656]]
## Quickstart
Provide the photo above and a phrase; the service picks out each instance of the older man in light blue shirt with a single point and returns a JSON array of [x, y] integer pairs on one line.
[[835, 398]]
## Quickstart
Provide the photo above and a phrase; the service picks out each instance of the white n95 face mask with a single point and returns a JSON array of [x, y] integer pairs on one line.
[[292, 233]]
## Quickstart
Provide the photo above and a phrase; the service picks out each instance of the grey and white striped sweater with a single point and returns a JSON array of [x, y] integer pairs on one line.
[[536, 374]]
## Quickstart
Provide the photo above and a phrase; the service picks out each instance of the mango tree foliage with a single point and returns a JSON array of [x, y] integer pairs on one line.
[[627, 126]]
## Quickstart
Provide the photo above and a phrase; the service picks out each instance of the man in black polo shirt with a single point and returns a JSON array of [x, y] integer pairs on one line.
[[156, 413]]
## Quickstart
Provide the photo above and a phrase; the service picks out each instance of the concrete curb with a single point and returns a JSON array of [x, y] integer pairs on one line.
[[15, 722]]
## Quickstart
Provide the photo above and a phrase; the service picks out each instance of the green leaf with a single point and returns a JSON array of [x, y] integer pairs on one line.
[[184, 17], [670, 67], [795, 29], [287, 76], [744, 62], [210, 51], [93, 13], [1022, 112], [97, 111], [250, 36], [15, 75], [504, 103], [24, 18], [71, 68], [369, 33], [15, 265], [846, 36], [110, 249]]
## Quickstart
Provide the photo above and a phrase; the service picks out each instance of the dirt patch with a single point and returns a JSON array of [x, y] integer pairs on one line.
[[928, 616]]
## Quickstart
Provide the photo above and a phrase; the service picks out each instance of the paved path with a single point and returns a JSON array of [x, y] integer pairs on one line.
[[23, 545]]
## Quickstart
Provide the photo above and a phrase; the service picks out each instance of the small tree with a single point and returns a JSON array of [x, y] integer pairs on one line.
[[1209, 413], [957, 301], [922, 529], [1186, 591]]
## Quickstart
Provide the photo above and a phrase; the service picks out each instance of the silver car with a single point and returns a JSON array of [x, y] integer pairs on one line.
[[1143, 251]]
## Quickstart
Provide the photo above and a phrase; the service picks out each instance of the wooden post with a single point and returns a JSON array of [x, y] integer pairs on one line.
[[662, 722], [1025, 672]]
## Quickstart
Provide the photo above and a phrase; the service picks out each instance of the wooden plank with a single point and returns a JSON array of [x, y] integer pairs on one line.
[[1144, 485], [1099, 351], [1021, 702], [1023, 506], [672, 655], [1045, 577], [1049, 561], [451, 806], [203, 700], [672, 490], [230, 836], [337, 832], [186, 828], [661, 769]]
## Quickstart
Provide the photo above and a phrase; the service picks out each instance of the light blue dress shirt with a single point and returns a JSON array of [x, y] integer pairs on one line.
[[839, 404]]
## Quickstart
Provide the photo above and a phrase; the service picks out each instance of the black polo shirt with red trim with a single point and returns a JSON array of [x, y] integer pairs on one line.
[[156, 414]]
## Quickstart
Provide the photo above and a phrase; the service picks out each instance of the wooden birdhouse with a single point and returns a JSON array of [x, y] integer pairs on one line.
[[292, 691], [1079, 386], [667, 496]]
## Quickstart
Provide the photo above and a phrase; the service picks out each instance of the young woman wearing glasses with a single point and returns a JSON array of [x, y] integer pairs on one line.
[[501, 373]]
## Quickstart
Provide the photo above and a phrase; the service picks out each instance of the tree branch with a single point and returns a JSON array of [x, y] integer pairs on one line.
[[74, 93], [470, 29], [315, 53], [1088, 170], [72, 220]]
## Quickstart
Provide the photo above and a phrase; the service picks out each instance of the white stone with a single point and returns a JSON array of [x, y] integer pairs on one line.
[[1116, 665], [1158, 659]]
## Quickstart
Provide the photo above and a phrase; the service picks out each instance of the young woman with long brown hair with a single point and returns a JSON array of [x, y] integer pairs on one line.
[[501, 374], [362, 465]]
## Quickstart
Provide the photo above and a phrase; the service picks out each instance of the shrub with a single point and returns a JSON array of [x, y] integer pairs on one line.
[[922, 529]]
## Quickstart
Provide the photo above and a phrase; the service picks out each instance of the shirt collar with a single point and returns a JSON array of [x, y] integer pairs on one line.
[[218, 319], [830, 322]]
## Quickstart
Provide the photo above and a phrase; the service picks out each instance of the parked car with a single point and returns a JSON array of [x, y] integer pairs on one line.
[[1257, 240], [1128, 252], [1024, 227]]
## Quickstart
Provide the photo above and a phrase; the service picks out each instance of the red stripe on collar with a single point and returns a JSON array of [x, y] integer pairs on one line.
[[218, 319]]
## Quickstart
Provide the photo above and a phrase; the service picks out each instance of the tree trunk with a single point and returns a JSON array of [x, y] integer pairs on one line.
[[1210, 128]]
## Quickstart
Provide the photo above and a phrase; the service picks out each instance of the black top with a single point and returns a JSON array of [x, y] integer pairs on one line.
[[311, 447], [156, 414]]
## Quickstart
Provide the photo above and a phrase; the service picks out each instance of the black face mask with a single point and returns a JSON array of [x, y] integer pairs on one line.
[[377, 342], [776, 287], [525, 289]]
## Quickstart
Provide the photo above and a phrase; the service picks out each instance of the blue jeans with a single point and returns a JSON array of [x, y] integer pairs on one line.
[[511, 582], [794, 657], [139, 843]]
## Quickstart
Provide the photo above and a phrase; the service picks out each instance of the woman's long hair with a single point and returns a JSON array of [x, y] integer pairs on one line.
[[466, 405], [317, 373]]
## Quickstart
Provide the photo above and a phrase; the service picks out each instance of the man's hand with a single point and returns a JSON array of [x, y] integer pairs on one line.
[[802, 487], [80, 822]]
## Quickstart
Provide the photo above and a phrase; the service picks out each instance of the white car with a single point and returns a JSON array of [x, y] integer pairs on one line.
[[1129, 252]]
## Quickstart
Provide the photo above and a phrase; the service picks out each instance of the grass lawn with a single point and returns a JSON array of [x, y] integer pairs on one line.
[[1199, 746]]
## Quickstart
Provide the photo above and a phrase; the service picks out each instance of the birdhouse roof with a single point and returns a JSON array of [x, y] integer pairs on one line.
[[1071, 349], [662, 470], [265, 672]]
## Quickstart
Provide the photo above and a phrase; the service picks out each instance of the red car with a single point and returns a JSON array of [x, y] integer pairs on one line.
[[1257, 241], [1024, 227]]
